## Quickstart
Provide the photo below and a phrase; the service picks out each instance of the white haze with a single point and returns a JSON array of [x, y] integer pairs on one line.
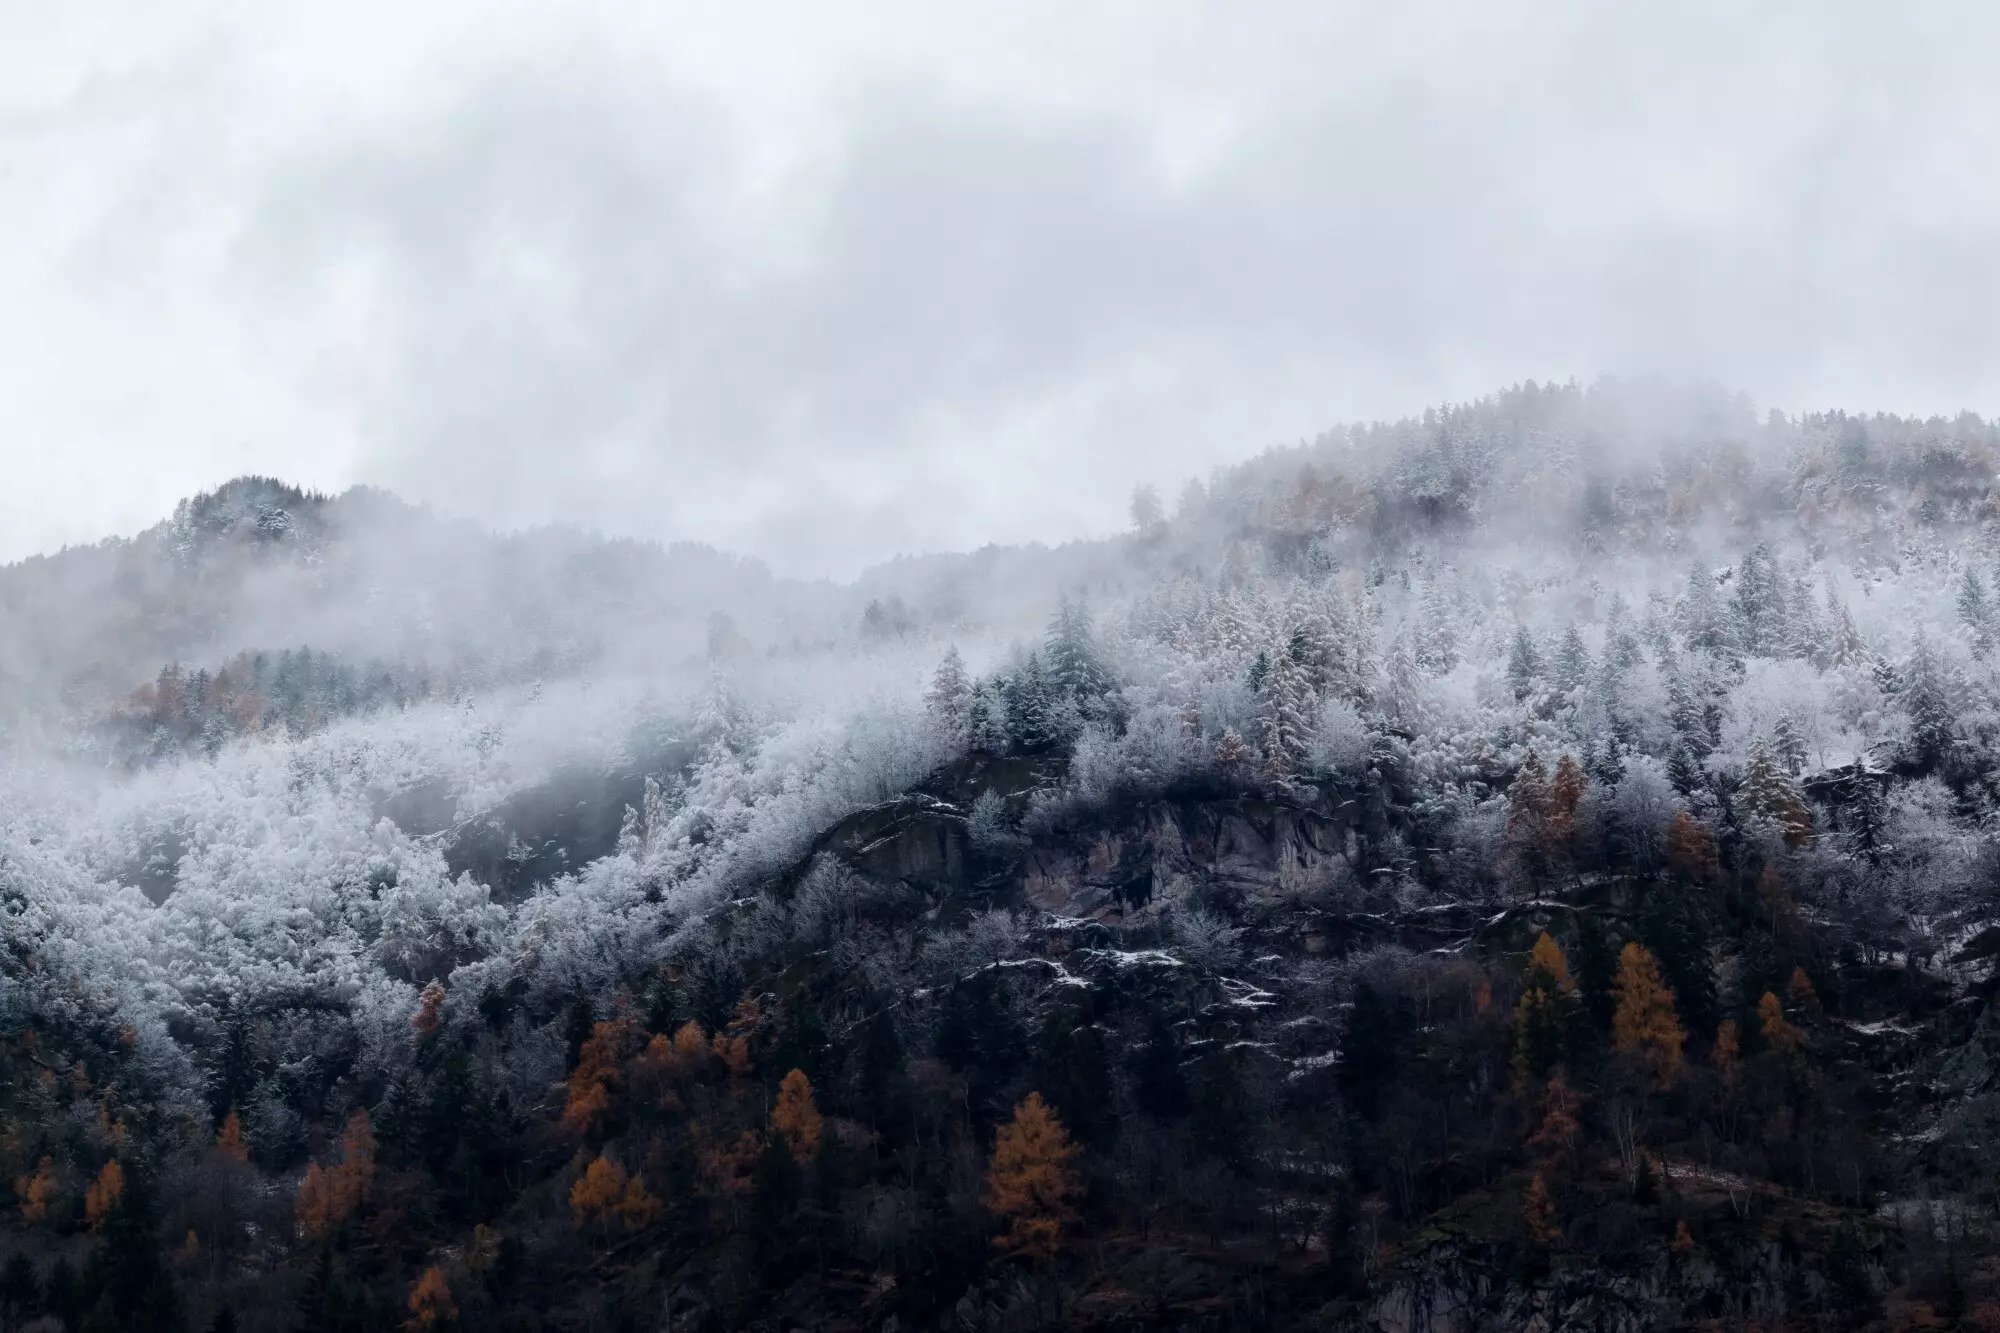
[[827, 285]]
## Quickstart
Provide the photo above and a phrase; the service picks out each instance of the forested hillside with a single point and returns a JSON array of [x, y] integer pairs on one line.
[[1533, 865]]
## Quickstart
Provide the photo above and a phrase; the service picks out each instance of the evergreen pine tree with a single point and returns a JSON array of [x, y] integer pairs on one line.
[[1683, 771], [1158, 1086], [1072, 1069], [1572, 665], [1285, 718], [1070, 653], [986, 719], [1436, 640], [1927, 697], [1845, 647], [1402, 690], [1524, 664], [1974, 611], [1768, 792], [1371, 1051], [949, 702], [1703, 624]]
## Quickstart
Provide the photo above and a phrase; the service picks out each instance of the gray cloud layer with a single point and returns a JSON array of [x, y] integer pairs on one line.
[[829, 291]]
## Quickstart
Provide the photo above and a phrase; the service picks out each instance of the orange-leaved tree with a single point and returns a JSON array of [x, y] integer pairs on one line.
[[329, 1196], [1554, 1139], [795, 1118], [1779, 1033], [1690, 847], [39, 1192], [1644, 1024], [229, 1139], [1545, 1013], [1799, 993], [1565, 795], [1728, 1054], [604, 1192], [1031, 1183], [431, 1305], [732, 1044], [1539, 1211], [430, 1013], [598, 1065], [103, 1196]]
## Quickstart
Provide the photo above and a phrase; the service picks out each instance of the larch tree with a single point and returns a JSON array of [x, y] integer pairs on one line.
[[598, 1067], [430, 1012], [1539, 1212], [1566, 792], [1690, 848], [329, 1196], [229, 1139], [596, 1194], [1546, 1014], [39, 1192], [1031, 1181], [1555, 1137], [431, 1305], [795, 1119], [1728, 1054], [104, 1195], [1644, 1023], [1779, 1033]]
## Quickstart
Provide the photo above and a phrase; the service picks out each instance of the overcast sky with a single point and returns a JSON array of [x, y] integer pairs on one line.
[[824, 283]]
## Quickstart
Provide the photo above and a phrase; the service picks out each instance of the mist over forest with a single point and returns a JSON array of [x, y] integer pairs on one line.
[[1528, 865]]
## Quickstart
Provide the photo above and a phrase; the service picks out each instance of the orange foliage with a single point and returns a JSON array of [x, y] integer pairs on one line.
[[1539, 1211], [39, 1191], [229, 1139], [431, 1305], [314, 1204], [430, 1013], [1030, 1181], [1779, 1033], [1690, 847], [732, 1045], [1728, 1053], [1645, 1023], [795, 1118], [637, 1208], [597, 1191], [597, 1068], [104, 1195], [1548, 959], [1565, 795], [1799, 991], [327, 1197], [604, 1192], [1554, 1140], [726, 1167]]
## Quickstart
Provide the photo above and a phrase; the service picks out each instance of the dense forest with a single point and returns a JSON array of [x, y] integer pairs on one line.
[[1536, 865]]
